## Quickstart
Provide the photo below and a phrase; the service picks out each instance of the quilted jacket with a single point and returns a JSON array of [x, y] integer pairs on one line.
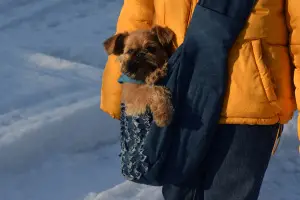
[[263, 66]]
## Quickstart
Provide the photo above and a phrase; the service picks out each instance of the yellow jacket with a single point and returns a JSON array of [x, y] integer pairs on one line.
[[264, 63]]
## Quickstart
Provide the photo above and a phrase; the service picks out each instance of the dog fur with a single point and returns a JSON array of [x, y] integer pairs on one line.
[[143, 55]]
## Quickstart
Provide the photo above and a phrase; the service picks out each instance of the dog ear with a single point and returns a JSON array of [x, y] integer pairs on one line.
[[164, 34], [115, 44]]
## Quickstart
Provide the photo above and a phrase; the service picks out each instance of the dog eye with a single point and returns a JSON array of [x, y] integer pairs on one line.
[[151, 49], [130, 51]]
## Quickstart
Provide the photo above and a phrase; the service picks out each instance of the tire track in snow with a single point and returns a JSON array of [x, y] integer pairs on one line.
[[78, 127], [35, 126]]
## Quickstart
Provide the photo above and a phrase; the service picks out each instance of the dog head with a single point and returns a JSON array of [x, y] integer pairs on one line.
[[141, 52]]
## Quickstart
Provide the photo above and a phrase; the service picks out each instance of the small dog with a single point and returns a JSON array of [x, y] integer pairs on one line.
[[143, 55]]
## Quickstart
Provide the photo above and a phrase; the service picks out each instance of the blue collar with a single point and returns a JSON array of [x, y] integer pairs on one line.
[[126, 79]]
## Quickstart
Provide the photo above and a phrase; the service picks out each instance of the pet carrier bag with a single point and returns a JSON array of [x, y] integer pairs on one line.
[[197, 79]]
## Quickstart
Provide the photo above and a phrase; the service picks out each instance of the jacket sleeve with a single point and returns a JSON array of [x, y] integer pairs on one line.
[[135, 14], [293, 22]]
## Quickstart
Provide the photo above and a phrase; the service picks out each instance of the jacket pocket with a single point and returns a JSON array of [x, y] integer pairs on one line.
[[263, 70]]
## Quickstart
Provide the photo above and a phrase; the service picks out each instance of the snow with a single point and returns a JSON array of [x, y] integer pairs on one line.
[[55, 143], [129, 191]]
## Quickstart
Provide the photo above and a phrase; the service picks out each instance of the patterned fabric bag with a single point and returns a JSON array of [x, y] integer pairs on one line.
[[197, 79]]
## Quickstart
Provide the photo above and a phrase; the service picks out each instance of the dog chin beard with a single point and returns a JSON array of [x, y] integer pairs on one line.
[[120, 58]]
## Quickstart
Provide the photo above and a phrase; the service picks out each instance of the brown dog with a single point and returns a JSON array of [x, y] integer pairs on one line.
[[143, 55]]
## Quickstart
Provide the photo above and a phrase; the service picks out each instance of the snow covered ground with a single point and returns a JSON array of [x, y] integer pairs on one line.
[[55, 143]]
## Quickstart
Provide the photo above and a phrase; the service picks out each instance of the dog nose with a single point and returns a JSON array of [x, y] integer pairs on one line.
[[140, 54]]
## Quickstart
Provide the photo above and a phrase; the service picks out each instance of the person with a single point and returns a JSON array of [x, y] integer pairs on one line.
[[262, 92]]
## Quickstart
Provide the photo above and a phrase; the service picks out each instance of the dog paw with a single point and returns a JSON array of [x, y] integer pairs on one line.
[[161, 106], [162, 123], [163, 118]]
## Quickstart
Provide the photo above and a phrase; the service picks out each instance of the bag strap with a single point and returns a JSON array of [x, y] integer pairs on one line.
[[214, 27], [231, 8]]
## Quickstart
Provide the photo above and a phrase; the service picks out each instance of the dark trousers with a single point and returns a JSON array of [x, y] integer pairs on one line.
[[234, 167]]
